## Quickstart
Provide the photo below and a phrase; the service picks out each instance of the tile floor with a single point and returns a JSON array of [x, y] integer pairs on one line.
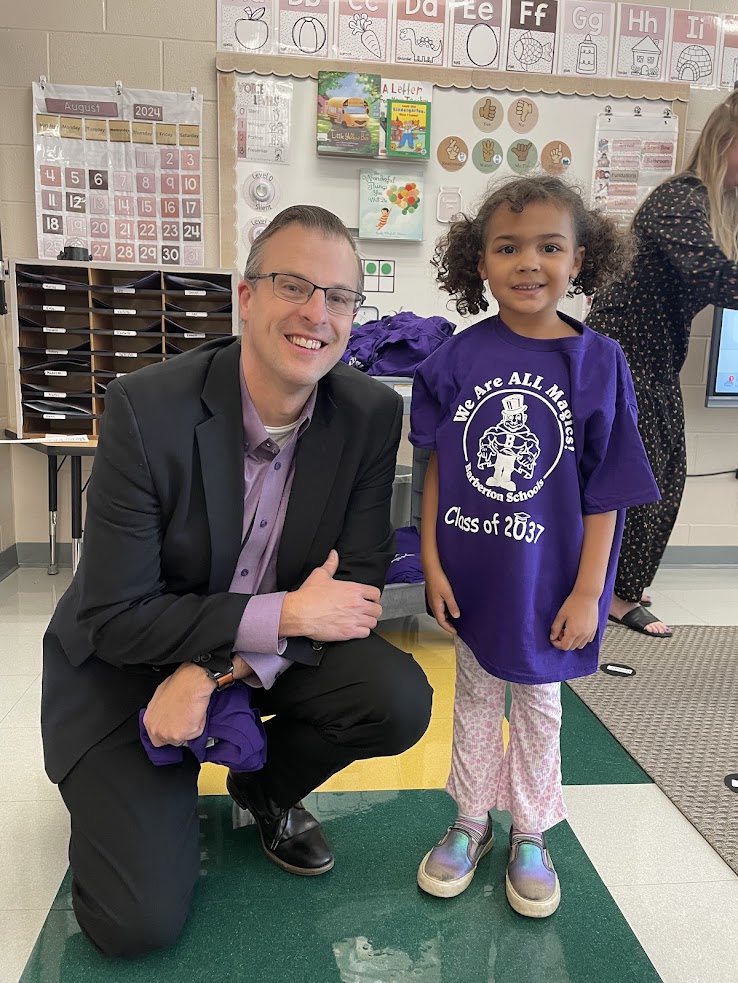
[[677, 895]]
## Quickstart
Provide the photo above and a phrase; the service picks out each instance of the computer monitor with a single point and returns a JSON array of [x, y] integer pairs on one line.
[[722, 374]]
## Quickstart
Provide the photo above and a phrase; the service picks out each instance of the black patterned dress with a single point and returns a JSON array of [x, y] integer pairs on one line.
[[679, 269]]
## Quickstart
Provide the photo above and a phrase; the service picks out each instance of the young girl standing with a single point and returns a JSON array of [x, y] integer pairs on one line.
[[532, 421]]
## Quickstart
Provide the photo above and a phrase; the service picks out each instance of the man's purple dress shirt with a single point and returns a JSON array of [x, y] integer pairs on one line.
[[268, 474]]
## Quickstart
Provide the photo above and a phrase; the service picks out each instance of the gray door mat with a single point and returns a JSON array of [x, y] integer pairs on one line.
[[678, 717]]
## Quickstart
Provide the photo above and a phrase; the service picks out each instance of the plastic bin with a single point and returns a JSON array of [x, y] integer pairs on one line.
[[400, 507]]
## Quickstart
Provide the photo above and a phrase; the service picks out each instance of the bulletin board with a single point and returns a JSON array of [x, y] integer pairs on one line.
[[565, 113]]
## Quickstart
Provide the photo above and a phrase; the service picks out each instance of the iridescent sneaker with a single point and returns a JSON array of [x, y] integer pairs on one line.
[[531, 883], [448, 868]]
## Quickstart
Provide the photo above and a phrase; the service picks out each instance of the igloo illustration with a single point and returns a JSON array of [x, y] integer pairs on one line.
[[694, 63]]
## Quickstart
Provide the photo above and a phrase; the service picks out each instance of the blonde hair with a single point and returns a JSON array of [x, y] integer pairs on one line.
[[708, 162]]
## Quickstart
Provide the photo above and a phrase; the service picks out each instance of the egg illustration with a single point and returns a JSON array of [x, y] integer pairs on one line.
[[481, 45], [309, 35]]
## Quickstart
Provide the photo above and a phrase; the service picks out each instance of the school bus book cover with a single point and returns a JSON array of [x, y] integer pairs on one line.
[[348, 114], [408, 129]]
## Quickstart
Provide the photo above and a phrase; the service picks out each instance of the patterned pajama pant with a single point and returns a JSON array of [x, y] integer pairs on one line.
[[648, 527], [525, 780]]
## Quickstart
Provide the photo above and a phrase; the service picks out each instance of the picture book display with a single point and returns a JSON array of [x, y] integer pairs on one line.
[[399, 89], [408, 129], [390, 206], [348, 114]]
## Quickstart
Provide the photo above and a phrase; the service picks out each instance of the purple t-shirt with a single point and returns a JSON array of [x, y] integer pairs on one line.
[[530, 435]]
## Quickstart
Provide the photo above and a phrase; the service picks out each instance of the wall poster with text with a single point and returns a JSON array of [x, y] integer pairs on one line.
[[632, 155], [587, 38], [532, 42], [420, 32], [477, 34], [643, 40], [247, 26], [729, 54], [695, 36]]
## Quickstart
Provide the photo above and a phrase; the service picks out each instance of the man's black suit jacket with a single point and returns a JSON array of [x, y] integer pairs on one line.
[[163, 533]]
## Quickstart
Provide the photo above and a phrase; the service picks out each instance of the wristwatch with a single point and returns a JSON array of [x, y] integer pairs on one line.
[[221, 677]]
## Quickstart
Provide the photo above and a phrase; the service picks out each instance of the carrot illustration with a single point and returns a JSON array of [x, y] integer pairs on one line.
[[361, 25]]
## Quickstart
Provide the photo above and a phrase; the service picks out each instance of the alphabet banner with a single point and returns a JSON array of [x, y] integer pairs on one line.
[[642, 45], [364, 30], [420, 32], [587, 37], [477, 33], [247, 27], [118, 172], [729, 60], [694, 47], [532, 36], [596, 38], [305, 28]]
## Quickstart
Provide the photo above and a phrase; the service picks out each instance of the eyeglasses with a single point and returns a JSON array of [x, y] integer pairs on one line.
[[298, 290]]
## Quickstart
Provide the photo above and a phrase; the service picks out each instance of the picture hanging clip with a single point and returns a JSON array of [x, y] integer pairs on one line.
[[193, 93], [118, 87], [42, 80]]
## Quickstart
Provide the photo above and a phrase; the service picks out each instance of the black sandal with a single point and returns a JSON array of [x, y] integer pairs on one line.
[[637, 619]]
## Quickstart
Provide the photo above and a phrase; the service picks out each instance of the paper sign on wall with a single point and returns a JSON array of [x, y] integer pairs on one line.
[[477, 34], [729, 59], [694, 44], [305, 28], [246, 26], [263, 119], [364, 30], [532, 33], [632, 155], [587, 38], [642, 42], [420, 31]]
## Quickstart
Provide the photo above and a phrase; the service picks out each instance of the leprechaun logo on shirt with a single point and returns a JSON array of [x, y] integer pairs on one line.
[[509, 447], [515, 433]]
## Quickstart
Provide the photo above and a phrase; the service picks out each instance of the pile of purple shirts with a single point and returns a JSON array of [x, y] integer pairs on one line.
[[233, 735], [396, 344], [405, 568]]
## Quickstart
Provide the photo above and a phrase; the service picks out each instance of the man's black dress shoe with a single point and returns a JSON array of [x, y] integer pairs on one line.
[[291, 837]]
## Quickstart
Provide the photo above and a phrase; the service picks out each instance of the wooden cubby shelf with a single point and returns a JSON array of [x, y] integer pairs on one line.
[[77, 326]]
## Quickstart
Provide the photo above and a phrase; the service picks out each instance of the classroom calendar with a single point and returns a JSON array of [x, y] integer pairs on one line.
[[119, 172]]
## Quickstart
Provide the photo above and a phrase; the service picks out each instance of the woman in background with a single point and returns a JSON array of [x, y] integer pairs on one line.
[[687, 258]]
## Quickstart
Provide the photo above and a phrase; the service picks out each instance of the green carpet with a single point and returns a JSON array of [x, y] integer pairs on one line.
[[365, 921]]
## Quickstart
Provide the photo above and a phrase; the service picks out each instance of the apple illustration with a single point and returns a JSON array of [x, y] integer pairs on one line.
[[251, 31]]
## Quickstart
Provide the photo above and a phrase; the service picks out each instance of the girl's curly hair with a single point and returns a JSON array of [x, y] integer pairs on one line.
[[608, 250]]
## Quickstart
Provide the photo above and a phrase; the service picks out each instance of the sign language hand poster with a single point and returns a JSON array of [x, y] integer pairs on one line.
[[118, 172]]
